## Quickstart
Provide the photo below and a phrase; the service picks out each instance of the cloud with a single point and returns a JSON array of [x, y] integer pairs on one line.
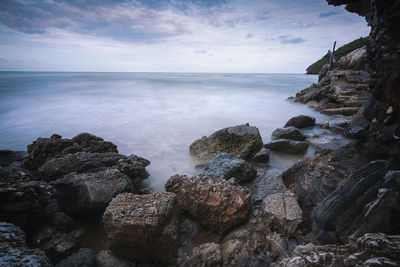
[[328, 14], [284, 39], [249, 35]]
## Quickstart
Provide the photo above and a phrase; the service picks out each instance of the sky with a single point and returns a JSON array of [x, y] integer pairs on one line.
[[232, 36]]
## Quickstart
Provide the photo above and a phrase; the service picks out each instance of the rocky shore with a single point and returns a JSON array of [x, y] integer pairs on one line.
[[338, 207]]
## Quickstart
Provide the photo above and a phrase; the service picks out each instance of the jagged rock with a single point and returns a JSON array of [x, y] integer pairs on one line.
[[7, 157], [354, 60], [289, 132], [207, 254], [134, 167], [77, 162], [83, 258], [13, 249], [227, 166], [89, 193], [105, 258], [370, 250], [365, 202], [213, 202], [243, 141], [300, 121], [284, 207], [44, 149], [265, 185], [143, 228], [287, 146]]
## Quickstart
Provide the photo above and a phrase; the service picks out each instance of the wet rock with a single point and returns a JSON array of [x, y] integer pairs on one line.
[[77, 162], [284, 207], [83, 258], [243, 141], [364, 202], [105, 258], [289, 132], [347, 111], [227, 166], [13, 249], [207, 254], [134, 167], [88, 194], [261, 157], [325, 142], [213, 202], [265, 185], [93, 144], [287, 146], [143, 228], [300, 121], [370, 250], [7, 157]]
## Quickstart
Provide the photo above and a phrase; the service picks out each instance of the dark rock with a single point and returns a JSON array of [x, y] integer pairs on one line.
[[213, 202], [134, 167], [243, 141], [370, 250], [83, 258], [88, 194], [324, 143], [346, 209], [265, 185], [289, 132], [106, 258], [301, 121], [346, 111], [261, 157], [143, 228], [7, 157], [227, 166], [287, 146], [93, 144], [13, 249], [207, 254], [77, 162]]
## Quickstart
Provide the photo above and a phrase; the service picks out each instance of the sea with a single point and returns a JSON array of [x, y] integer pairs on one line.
[[153, 115]]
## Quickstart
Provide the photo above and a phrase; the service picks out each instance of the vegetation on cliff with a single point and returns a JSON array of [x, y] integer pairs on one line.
[[342, 51]]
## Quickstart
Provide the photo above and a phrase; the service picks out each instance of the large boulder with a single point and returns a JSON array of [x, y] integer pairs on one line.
[[287, 146], [77, 162], [143, 228], [285, 210], [213, 202], [44, 149], [300, 121], [374, 249], [89, 193], [367, 201], [243, 141], [228, 166], [290, 132], [13, 249]]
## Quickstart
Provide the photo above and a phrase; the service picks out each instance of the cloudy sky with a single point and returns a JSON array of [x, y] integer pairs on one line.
[[282, 36]]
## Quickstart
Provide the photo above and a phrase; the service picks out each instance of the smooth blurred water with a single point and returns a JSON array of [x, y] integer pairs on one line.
[[153, 115]]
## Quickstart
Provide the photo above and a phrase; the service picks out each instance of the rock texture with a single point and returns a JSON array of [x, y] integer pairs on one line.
[[243, 141], [207, 254], [288, 146], [143, 228], [13, 249], [213, 202], [289, 132], [300, 121], [228, 166]]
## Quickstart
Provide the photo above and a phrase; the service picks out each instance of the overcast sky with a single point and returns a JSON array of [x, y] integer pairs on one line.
[[269, 36]]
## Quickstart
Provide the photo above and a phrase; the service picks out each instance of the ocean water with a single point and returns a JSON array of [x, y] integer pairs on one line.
[[153, 115]]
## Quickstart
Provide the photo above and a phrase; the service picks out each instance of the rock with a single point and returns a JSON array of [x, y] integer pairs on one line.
[[213, 202], [13, 249], [83, 258], [287, 146], [134, 167], [354, 60], [88, 194], [243, 141], [261, 157], [325, 142], [77, 162], [347, 111], [301, 121], [289, 132], [7, 157], [370, 250], [56, 245], [44, 149], [278, 248], [105, 258], [364, 202], [143, 228], [265, 185], [227, 166], [207, 254], [284, 207]]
